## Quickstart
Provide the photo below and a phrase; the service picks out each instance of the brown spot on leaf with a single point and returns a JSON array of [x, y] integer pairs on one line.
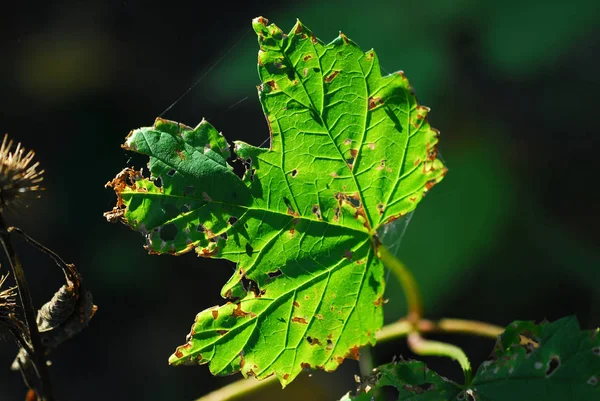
[[429, 184], [222, 332], [319, 316], [314, 39], [307, 57], [344, 38], [353, 353], [286, 376], [371, 146], [238, 312], [348, 254], [375, 101], [331, 76], [336, 216], [208, 252], [300, 320], [416, 163], [305, 365], [296, 304], [272, 84], [378, 301], [215, 313], [178, 353]]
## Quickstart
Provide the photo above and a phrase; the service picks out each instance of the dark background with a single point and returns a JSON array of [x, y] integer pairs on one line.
[[511, 233]]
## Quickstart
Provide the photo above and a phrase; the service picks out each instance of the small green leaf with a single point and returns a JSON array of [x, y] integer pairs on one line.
[[350, 151], [550, 361]]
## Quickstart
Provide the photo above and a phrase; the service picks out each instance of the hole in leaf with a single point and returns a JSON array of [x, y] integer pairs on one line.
[[188, 190], [315, 210], [251, 174], [554, 364], [224, 236], [171, 211], [309, 339], [249, 249], [354, 201], [275, 274], [294, 173], [232, 220], [329, 345], [250, 286], [390, 393], [171, 172], [596, 351], [239, 167], [158, 182], [316, 69], [200, 228], [168, 232]]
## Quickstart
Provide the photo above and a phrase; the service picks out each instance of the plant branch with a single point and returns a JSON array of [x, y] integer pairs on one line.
[[421, 346], [407, 281], [38, 355]]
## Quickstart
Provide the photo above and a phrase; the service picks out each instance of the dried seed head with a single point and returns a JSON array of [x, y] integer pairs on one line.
[[7, 301], [19, 178]]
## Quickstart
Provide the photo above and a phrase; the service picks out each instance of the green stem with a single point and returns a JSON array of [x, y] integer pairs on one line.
[[407, 281], [38, 355], [465, 327], [421, 346], [238, 389]]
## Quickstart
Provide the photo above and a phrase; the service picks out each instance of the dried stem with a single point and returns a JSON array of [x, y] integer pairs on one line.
[[38, 355]]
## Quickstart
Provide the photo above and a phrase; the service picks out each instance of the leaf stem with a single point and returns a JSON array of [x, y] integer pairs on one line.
[[238, 389], [38, 354], [407, 281], [473, 327], [421, 346]]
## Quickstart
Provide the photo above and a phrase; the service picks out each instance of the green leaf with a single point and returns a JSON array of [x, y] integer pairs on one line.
[[549, 361], [350, 151], [413, 381]]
